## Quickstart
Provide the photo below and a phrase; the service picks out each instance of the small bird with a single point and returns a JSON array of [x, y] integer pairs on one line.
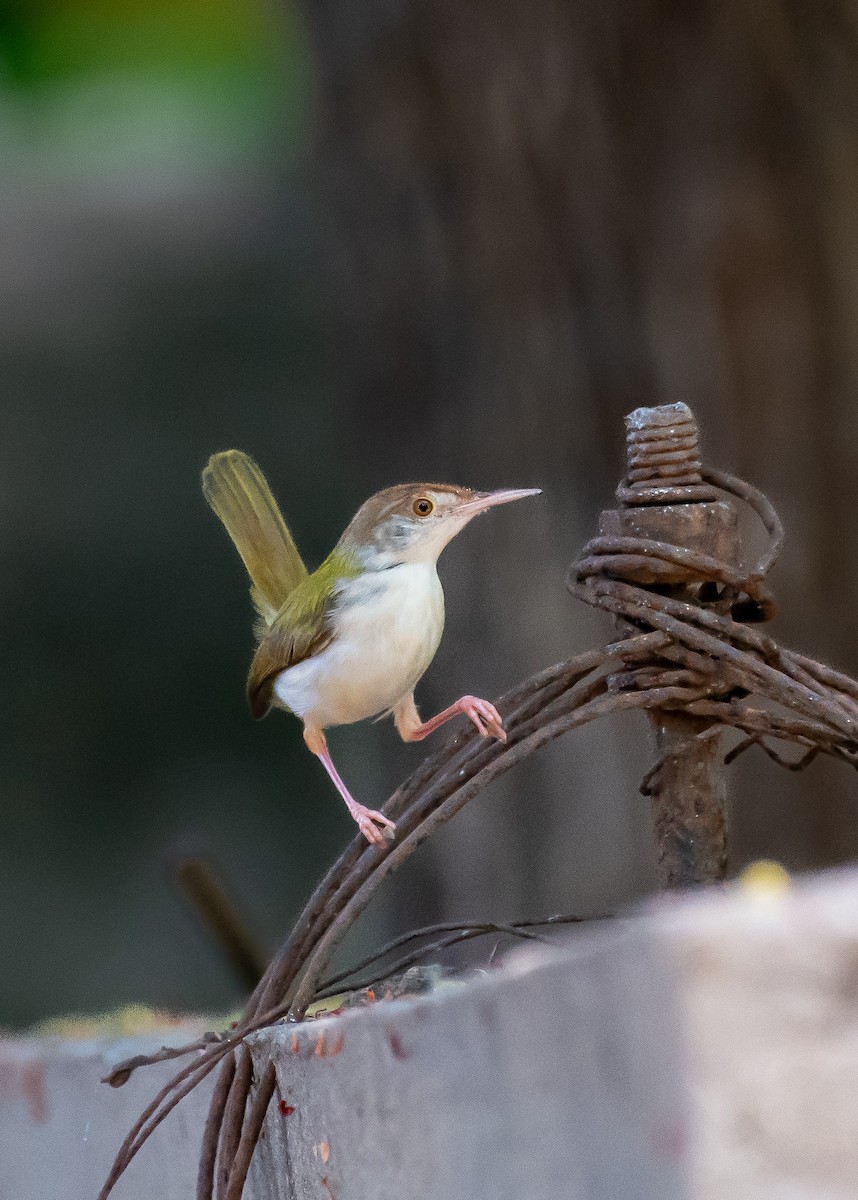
[[352, 639]]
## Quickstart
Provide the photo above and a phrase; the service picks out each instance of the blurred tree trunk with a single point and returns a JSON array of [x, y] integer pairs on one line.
[[533, 217]]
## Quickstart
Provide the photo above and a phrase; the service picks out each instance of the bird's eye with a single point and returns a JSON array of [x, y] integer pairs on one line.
[[422, 507]]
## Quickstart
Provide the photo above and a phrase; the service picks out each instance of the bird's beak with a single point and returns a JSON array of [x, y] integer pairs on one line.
[[484, 500]]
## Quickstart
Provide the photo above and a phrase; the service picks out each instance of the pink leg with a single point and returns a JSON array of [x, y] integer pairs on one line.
[[368, 819], [484, 715]]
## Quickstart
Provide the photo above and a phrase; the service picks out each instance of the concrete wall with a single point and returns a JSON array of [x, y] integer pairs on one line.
[[60, 1127], [705, 1049]]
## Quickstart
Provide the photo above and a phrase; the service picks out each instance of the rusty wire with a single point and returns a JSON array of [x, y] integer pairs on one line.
[[451, 933], [675, 655]]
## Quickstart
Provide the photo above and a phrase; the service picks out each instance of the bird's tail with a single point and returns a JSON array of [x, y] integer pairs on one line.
[[239, 494]]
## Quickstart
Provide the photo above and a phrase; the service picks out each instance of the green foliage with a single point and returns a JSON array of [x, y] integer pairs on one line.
[[41, 43], [99, 81]]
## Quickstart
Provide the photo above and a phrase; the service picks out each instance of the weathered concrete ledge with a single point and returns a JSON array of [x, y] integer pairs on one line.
[[705, 1049], [60, 1127], [556, 1077]]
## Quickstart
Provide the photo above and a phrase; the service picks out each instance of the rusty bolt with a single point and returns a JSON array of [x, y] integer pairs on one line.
[[664, 499], [663, 449]]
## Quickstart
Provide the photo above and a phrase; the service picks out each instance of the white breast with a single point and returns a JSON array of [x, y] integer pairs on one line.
[[387, 627]]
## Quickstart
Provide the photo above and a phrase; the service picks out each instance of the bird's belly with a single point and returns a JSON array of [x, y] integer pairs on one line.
[[385, 636]]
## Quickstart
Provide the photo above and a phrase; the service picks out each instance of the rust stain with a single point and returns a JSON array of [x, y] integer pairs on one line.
[[295, 1045], [286, 1109], [669, 1140], [328, 1187], [324, 1152], [395, 1042], [34, 1090], [337, 1045], [319, 1051]]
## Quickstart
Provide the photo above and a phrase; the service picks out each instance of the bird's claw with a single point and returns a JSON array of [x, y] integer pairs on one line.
[[368, 822], [485, 717]]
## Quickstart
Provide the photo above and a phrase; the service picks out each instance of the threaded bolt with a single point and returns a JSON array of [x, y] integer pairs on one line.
[[664, 466]]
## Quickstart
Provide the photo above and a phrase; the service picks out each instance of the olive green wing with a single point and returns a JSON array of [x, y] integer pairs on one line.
[[239, 494], [300, 629]]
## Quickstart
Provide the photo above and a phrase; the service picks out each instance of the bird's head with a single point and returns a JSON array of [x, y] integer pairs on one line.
[[413, 522]]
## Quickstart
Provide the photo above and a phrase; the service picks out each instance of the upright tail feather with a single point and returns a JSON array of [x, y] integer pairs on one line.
[[239, 494]]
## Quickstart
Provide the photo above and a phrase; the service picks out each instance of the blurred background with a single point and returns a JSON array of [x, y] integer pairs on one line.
[[371, 244]]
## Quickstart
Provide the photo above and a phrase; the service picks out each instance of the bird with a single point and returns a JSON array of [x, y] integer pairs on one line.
[[350, 640]]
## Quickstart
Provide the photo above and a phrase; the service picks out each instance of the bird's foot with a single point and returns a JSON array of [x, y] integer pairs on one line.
[[484, 715], [374, 825]]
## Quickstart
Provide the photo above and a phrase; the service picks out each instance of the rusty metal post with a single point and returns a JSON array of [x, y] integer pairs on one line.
[[664, 498]]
